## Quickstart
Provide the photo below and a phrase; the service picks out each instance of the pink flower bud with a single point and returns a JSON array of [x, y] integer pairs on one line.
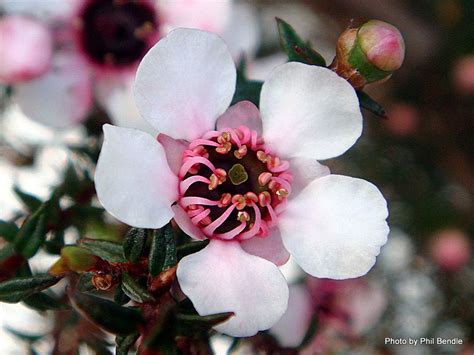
[[463, 75], [382, 44], [26, 48], [450, 249]]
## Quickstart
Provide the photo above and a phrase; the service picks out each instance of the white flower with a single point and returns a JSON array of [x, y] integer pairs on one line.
[[251, 185]]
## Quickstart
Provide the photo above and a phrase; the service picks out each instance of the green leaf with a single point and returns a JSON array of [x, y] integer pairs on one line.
[[107, 314], [19, 288], [44, 302], [295, 48], [120, 297], [190, 323], [30, 338], [32, 203], [134, 290], [365, 101], [191, 248], [84, 284], [246, 89], [105, 249], [134, 244], [32, 233], [125, 343], [8, 230], [163, 250]]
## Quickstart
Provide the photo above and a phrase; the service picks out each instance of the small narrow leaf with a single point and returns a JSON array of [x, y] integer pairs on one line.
[[189, 323], [19, 288], [125, 343], [163, 250], [191, 248], [107, 314], [295, 48], [104, 249], [134, 290], [365, 101], [84, 284], [134, 244], [32, 203], [246, 89], [44, 302], [32, 233], [30, 338], [120, 297], [8, 230]]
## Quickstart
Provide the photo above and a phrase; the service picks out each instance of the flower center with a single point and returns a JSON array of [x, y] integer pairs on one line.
[[116, 32], [232, 186]]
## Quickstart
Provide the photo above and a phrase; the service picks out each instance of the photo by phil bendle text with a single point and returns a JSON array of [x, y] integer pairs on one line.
[[424, 341]]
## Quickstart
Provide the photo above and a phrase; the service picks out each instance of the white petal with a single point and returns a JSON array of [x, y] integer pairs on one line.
[[185, 82], [242, 113], [304, 171], [205, 15], [335, 227], [115, 94], [48, 10], [224, 278], [293, 326], [174, 149], [60, 98], [185, 223], [270, 247], [309, 111], [133, 180]]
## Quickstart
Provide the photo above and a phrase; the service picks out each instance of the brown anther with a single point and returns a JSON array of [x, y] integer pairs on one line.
[[281, 193], [221, 175], [262, 156], [225, 200], [264, 198], [213, 182], [239, 201], [224, 148], [239, 133], [241, 152], [102, 282], [205, 221], [243, 216], [273, 162], [201, 151], [194, 169], [250, 197], [192, 207], [273, 185], [223, 138], [264, 178]]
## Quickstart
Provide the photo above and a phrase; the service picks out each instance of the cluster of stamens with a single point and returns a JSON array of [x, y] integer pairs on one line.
[[231, 185]]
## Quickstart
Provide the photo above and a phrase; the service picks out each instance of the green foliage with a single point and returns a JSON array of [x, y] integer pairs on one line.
[[191, 248], [246, 89], [192, 323], [134, 290], [32, 233], [104, 249], [125, 343], [8, 230], [134, 244], [295, 48], [107, 314], [365, 101], [44, 301], [19, 288], [162, 251]]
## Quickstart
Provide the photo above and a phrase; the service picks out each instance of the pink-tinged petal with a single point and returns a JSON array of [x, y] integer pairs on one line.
[[26, 47], [133, 180], [242, 113], [304, 171], [242, 33], [270, 247], [174, 150], [335, 227], [184, 222], [309, 111], [205, 15], [114, 92], [60, 98], [224, 278], [48, 10], [185, 82], [293, 326]]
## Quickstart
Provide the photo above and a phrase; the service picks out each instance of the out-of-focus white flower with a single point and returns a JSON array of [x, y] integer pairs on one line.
[[398, 253], [244, 182]]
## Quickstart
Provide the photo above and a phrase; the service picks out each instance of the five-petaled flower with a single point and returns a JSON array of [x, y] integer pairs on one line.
[[248, 180]]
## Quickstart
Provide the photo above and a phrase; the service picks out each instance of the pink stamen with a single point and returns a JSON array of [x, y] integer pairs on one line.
[[185, 184], [209, 230], [256, 226], [192, 213], [211, 134], [232, 233], [196, 219], [193, 161], [273, 216], [286, 185], [198, 142], [282, 166], [193, 200]]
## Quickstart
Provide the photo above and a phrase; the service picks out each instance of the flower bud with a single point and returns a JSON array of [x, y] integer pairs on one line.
[[74, 259], [369, 53], [26, 48], [450, 249]]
